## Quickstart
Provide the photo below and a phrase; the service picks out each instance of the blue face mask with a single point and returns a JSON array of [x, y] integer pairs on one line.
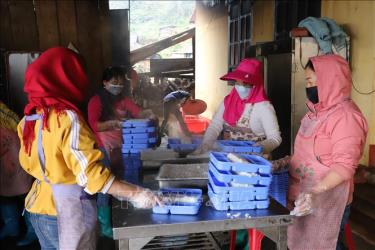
[[243, 91]]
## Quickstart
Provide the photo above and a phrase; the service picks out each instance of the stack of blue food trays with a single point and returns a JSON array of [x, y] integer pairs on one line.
[[239, 147], [137, 135], [132, 168], [238, 186], [182, 201]]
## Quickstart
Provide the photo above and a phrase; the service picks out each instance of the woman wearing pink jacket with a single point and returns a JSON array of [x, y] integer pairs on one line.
[[327, 149]]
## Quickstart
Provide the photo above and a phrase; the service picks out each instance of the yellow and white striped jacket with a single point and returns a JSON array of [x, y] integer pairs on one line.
[[71, 157]]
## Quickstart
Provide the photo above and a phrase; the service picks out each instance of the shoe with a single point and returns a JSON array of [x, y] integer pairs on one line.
[[105, 221]]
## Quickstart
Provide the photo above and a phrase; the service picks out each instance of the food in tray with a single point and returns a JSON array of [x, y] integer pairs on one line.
[[248, 174], [241, 185], [236, 158], [174, 198]]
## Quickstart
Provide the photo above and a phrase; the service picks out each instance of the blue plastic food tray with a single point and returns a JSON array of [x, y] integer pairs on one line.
[[236, 196], [132, 176], [126, 137], [279, 186], [136, 146], [131, 162], [134, 123], [229, 176], [180, 208], [138, 130], [140, 141], [183, 147], [177, 146], [221, 187], [174, 141], [238, 205], [257, 164], [194, 140], [239, 146], [131, 151]]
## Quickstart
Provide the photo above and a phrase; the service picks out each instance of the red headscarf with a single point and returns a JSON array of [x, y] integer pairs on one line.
[[250, 71], [56, 79]]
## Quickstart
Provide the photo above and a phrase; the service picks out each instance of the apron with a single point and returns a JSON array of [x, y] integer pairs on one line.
[[319, 230], [111, 139], [76, 210], [242, 130]]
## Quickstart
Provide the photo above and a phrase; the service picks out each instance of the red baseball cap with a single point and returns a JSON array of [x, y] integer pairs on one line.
[[248, 71]]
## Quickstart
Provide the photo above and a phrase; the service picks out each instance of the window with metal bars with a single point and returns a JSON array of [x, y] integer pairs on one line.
[[239, 25]]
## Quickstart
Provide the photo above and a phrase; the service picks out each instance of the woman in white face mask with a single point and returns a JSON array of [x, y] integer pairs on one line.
[[110, 106], [245, 113], [105, 111]]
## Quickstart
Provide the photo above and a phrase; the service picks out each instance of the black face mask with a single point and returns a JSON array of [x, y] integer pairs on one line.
[[312, 94]]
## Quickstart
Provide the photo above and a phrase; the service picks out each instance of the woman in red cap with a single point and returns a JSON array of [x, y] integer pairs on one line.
[[59, 150], [246, 113]]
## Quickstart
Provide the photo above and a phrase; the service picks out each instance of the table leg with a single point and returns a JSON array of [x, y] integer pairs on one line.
[[123, 244], [282, 242], [255, 239], [232, 245], [278, 235], [134, 243]]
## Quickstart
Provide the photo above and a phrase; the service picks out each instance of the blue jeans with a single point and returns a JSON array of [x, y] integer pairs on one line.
[[45, 227], [345, 218]]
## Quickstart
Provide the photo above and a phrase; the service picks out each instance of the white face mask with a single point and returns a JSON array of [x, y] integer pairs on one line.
[[114, 89], [243, 91]]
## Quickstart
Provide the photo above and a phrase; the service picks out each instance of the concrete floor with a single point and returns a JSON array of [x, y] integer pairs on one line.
[[10, 244], [108, 244]]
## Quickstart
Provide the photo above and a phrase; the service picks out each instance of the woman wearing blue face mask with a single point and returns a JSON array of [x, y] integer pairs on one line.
[[246, 113]]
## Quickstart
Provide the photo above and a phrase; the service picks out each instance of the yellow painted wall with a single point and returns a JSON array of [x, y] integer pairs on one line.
[[358, 19], [263, 21], [211, 55]]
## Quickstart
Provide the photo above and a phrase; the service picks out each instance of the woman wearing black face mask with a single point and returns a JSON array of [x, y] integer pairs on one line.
[[327, 150], [311, 88]]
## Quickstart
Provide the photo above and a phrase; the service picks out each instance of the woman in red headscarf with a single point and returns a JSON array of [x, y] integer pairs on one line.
[[59, 150], [246, 113]]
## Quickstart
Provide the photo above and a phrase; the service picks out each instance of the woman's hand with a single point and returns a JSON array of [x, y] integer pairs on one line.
[[145, 198], [109, 125], [148, 114], [303, 205], [138, 196], [280, 164], [117, 124], [203, 148]]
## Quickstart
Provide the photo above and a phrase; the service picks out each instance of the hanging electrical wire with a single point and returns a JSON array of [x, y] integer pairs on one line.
[[360, 92]]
